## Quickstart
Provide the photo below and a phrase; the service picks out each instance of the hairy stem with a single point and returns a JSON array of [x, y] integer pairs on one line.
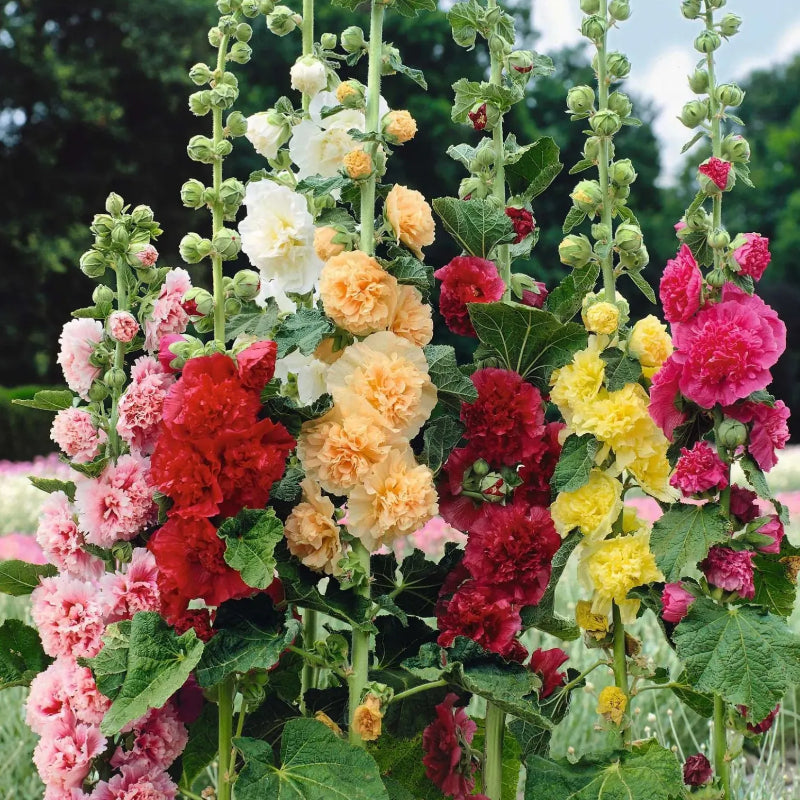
[[309, 676], [115, 444], [716, 127], [620, 662], [721, 765], [225, 738], [603, 82], [359, 659], [425, 687], [308, 39], [493, 752]]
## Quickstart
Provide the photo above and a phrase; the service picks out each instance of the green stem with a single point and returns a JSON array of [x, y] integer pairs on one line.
[[721, 766], [655, 686], [225, 737], [493, 752], [309, 677], [308, 39], [359, 659], [425, 687], [607, 263], [115, 444], [567, 686], [620, 662], [716, 128]]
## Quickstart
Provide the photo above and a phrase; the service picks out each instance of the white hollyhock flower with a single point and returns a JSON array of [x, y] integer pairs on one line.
[[309, 374], [309, 75], [278, 236], [267, 131]]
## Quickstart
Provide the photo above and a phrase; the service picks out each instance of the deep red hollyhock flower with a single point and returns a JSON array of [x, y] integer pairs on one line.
[[257, 364], [467, 279], [522, 220], [537, 471], [535, 299], [447, 764], [770, 431], [454, 507], [546, 663], [478, 613], [506, 423], [744, 504], [717, 170], [188, 701], [765, 724], [697, 770], [731, 570], [511, 551], [200, 619], [479, 117]]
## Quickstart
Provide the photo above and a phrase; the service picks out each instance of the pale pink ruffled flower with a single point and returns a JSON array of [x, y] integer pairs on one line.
[[135, 589], [123, 326], [56, 793], [140, 408], [70, 616], [168, 314], [137, 782], [64, 754], [118, 504], [61, 540], [77, 341], [75, 433], [160, 738], [147, 256]]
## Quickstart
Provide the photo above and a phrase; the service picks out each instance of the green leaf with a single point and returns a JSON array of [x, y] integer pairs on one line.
[[396, 63], [202, 747], [18, 578], [642, 285], [775, 590], [158, 664], [92, 469], [319, 186], [110, 665], [476, 225], [527, 340], [400, 760], [411, 8], [566, 299], [464, 20], [468, 93], [647, 772], [251, 634], [441, 435], [574, 217], [697, 242], [286, 411], [683, 536], [746, 656], [463, 153], [581, 166], [620, 369], [576, 463], [409, 270], [250, 538], [253, 321], [48, 400], [315, 764], [287, 489], [303, 331], [539, 166], [446, 375], [22, 656], [51, 485]]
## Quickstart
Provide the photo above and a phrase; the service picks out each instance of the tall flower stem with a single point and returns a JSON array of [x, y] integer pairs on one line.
[[119, 362], [309, 676], [620, 662], [225, 702], [493, 752], [715, 108], [359, 659], [607, 263], [721, 765], [308, 39]]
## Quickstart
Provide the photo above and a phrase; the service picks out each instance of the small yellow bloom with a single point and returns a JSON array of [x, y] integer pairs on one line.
[[612, 703], [649, 342], [653, 473], [358, 164], [345, 90], [410, 217], [322, 717], [601, 317], [367, 718], [592, 508], [400, 125], [324, 245], [596, 625]]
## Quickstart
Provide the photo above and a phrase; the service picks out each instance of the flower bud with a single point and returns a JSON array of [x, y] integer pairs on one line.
[[114, 204], [243, 32], [93, 264], [594, 28], [201, 148], [588, 197], [590, 6], [729, 94], [328, 41], [98, 392], [250, 8], [707, 41], [192, 193], [353, 39], [215, 37], [735, 148], [120, 236], [102, 296], [240, 53], [620, 104], [114, 378], [698, 220], [628, 238], [309, 75], [142, 216], [499, 46], [231, 195], [636, 260], [227, 244], [694, 112], [198, 303], [716, 278], [580, 99], [719, 239], [223, 95], [222, 149], [591, 149], [521, 61], [698, 81], [351, 94], [620, 9], [729, 25], [246, 284], [200, 103], [236, 124], [731, 433], [619, 192], [622, 172], [194, 248], [358, 164], [717, 3], [232, 306], [471, 187], [618, 65], [605, 123], [575, 251], [690, 9], [601, 232], [281, 20], [200, 74], [399, 126]]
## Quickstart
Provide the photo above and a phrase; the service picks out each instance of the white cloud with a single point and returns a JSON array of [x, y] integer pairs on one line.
[[788, 46], [558, 22]]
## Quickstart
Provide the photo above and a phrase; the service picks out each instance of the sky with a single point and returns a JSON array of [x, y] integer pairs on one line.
[[659, 42]]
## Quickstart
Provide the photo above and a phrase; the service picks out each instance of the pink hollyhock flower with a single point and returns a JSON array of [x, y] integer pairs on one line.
[[717, 170], [57, 793], [147, 256], [697, 770], [506, 423], [123, 326], [680, 225], [77, 341], [445, 742], [75, 433], [769, 431], [467, 279], [165, 355], [731, 570], [137, 782], [753, 256], [699, 470], [64, 754], [168, 315], [773, 529], [523, 222], [744, 503], [141, 407], [727, 350], [664, 391], [511, 551], [535, 299], [20, 546], [70, 616], [257, 364], [546, 663], [675, 602], [135, 589], [681, 287], [118, 504], [765, 724], [160, 737], [62, 542]]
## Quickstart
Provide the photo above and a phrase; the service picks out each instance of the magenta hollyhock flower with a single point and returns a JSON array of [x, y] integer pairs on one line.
[[769, 431], [717, 170], [664, 391], [773, 529], [699, 469], [675, 602], [535, 299], [765, 724], [753, 256], [726, 351], [697, 770], [744, 503], [165, 355], [546, 663], [731, 570], [467, 279], [681, 287]]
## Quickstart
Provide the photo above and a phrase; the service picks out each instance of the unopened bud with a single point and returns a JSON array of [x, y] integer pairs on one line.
[[227, 244], [232, 306], [620, 9], [729, 94], [215, 37], [192, 193], [250, 8], [694, 112], [142, 216], [719, 239], [246, 284], [102, 296], [351, 94], [521, 61], [591, 149], [575, 251], [601, 232], [605, 123], [618, 65], [590, 6], [98, 392], [243, 32], [636, 260], [716, 278], [194, 248], [281, 20], [201, 148], [622, 172], [731, 433], [240, 53], [200, 74], [231, 195], [353, 39], [120, 236], [580, 99], [707, 41], [620, 104], [587, 196], [236, 124], [698, 81], [628, 238], [690, 9], [309, 75], [481, 467], [729, 25], [114, 378], [198, 303], [735, 148], [328, 41], [594, 28], [114, 204], [93, 264]]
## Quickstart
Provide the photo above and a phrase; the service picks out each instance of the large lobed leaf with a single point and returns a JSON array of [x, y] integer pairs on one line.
[[250, 539], [530, 174], [476, 225], [21, 654], [18, 578]]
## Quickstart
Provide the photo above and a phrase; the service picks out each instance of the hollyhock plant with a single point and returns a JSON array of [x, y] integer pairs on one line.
[[466, 279], [138, 780], [77, 341], [699, 469], [681, 287], [753, 256], [64, 754], [731, 570], [122, 326], [75, 433], [675, 602]]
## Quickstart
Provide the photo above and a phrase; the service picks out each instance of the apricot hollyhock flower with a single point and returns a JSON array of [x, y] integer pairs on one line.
[[412, 318], [357, 293], [324, 245], [395, 499], [367, 718], [387, 377], [592, 508], [311, 533], [410, 217], [400, 126]]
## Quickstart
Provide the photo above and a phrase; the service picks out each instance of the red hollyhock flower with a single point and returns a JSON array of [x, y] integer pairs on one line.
[[448, 764], [522, 220], [744, 504], [467, 279], [479, 117], [511, 551], [546, 663], [200, 619], [697, 770], [535, 299], [455, 508], [257, 364], [765, 724], [769, 433], [699, 469], [537, 471], [506, 423], [478, 613], [716, 169]]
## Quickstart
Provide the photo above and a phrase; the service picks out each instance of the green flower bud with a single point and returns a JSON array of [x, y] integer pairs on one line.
[[120, 236], [227, 244], [98, 392], [231, 194], [580, 99], [587, 196], [353, 39], [142, 216], [690, 9], [628, 238], [729, 25], [729, 94], [481, 468], [114, 378], [521, 61], [226, 6], [698, 81], [236, 124], [605, 123], [594, 28], [194, 248], [575, 251], [93, 264], [246, 284], [250, 8], [223, 148], [240, 53], [227, 24], [618, 65], [223, 96], [591, 149], [636, 260], [731, 433], [620, 192], [736, 148], [201, 148], [328, 41], [198, 302], [192, 193], [200, 103], [114, 204], [698, 220], [147, 275], [102, 225], [472, 187], [619, 9], [200, 74], [590, 6], [622, 172], [707, 41], [102, 296], [281, 21], [717, 3], [716, 278], [232, 307], [351, 94], [243, 32], [694, 112], [719, 239], [266, 7], [620, 104], [215, 37], [601, 232]]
